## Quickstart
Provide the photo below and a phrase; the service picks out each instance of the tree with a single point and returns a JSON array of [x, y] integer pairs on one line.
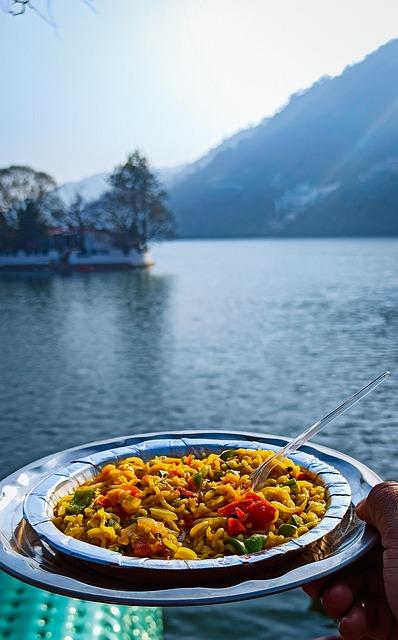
[[26, 193], [7, 234], [31, 230], [134, 207], [77, 216]]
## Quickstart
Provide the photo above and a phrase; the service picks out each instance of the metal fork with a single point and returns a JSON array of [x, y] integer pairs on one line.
[[260, 475]]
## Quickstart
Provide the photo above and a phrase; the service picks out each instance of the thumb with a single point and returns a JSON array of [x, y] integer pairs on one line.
[[380, 509]]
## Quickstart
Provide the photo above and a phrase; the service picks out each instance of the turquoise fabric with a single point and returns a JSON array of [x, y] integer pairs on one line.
[[28, 613]]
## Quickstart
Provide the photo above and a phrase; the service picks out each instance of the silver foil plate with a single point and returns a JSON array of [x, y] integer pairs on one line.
[[40, 503], [27, 557]]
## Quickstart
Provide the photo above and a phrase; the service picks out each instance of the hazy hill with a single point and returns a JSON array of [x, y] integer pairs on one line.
[[326, 164], [89, 188]]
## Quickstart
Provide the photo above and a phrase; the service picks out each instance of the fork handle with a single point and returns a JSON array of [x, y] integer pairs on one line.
[[311, 431]]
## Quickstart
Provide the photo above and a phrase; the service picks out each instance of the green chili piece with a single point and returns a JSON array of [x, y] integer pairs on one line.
[[237, 545], [227, 454], [115, 547], [296, 520], [80, 500], [292, 482], [198, 479], [287, 530], [256, 542]]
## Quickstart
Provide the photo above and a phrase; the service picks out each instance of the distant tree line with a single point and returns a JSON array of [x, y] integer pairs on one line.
[[132, 210]]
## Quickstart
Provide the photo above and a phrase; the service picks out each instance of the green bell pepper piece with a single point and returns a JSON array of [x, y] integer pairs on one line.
[[237, 545], [198, 479], [80, 500], [256, 542], [296, 520], [287, 530], [227, 454]]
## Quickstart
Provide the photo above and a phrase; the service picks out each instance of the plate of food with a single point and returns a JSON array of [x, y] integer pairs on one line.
[[184, 510], [156, 519]]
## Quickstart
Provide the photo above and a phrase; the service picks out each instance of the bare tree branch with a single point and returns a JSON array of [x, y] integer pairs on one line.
[[18, 7], [90, 5], [21, 4]]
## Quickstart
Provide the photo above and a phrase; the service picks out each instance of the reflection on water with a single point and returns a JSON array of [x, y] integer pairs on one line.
[[258, 335], [84, 358]]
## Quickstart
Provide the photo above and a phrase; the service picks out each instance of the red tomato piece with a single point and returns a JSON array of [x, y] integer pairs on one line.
[[191, 484], [102, 501], [229, 509], [176, 472], [252, 496], [239, 512], [303, 476], [133, 490], [262, 513], [234, 527], [142, 549], [186, 493]]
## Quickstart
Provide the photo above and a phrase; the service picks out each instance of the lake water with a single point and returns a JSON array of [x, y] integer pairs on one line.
[[257, 335]]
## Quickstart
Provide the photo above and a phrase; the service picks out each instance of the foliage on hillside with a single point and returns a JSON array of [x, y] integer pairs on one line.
[[326, 164]]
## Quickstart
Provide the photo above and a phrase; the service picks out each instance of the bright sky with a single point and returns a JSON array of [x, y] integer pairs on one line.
[[171, 77]]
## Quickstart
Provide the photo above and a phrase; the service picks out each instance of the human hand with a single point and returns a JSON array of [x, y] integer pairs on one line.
[[364, 597]]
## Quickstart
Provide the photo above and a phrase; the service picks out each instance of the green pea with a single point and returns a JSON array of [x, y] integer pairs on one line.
[[287, 530]]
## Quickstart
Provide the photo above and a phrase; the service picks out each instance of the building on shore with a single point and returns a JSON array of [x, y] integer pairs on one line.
[[69, 250]]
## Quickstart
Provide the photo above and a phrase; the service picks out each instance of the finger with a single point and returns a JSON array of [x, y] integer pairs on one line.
[[315, 588], [338, 599], [381, 621], [339, 596], [353, 625], [381, 508]]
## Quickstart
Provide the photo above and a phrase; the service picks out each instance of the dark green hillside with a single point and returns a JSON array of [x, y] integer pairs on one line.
[[326, 164]]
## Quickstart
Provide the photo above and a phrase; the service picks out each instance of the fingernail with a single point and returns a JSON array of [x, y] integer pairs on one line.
[[339, 622]]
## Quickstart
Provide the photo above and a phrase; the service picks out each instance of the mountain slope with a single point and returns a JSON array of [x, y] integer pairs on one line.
[[326, 164], [89, 188]]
